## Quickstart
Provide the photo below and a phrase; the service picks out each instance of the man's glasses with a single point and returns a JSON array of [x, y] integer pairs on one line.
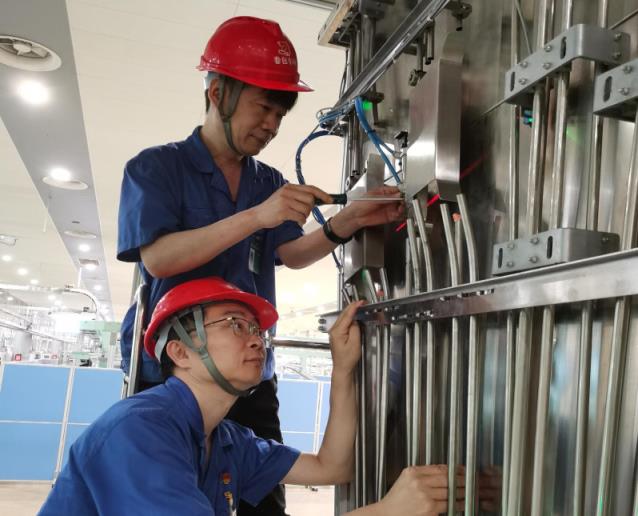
[[241, 327]]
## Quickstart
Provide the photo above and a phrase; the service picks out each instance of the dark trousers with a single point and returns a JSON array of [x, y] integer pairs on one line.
[[259, 412]]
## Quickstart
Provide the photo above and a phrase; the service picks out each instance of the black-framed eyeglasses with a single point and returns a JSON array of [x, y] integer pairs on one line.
[[241, 327]]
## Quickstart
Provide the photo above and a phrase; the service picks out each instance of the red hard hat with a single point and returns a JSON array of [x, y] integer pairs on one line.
[[254, 51], [199, 292]]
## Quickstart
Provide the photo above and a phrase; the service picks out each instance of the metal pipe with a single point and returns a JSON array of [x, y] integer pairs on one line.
[[514, 137], [363, 427], [385, 366], [619, 344], [408, 360], [414, 254], [508, 402], [556, 212], [415, 445], [584, 352], [385, 361], [454, 366], [473, 379], [519, 413], [429, 325]]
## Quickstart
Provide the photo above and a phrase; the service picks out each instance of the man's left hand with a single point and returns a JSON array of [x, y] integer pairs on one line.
[[362, 214]]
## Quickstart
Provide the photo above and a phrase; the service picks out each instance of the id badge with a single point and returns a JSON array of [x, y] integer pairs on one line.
[[256, 253]]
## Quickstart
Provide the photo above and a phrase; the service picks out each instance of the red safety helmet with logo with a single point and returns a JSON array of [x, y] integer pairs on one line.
[[254, 51], [180, 299]]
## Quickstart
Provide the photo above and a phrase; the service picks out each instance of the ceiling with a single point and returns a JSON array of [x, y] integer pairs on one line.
[[128, 81]]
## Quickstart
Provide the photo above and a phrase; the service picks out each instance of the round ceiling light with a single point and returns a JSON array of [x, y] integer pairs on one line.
[[33, 92], [27, 55], [66, 185], [78, 233]]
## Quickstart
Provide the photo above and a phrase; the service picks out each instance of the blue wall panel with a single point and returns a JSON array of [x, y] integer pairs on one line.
[[297, 405], [33, 392], [28, 451], [302, 442], [94, 390]]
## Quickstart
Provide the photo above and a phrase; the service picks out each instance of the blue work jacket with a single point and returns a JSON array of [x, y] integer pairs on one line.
[[176, 187], [146, 456]]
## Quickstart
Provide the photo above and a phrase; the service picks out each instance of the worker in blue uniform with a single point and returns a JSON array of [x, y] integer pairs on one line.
[[205, 207], [169, 451]]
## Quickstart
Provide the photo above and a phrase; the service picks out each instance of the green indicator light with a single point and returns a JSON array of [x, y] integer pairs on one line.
[[367, 105]]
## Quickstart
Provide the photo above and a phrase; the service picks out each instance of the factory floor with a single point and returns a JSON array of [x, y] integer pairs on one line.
[[25, 498]]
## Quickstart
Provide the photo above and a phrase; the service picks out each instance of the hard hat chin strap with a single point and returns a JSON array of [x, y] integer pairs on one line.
[[202, 351], [227, 109]]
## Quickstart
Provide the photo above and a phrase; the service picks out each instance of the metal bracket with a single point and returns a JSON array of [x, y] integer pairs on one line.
[[616, 93], [590, 42], [374, 8], [551, 247]]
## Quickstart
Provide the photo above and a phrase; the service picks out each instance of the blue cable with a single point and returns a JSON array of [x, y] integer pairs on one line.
[[318, 216], [372, 135]]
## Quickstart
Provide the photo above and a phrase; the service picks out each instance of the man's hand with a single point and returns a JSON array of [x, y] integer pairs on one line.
[[362, 214], [345, 340], [290, 202], [422, 491]]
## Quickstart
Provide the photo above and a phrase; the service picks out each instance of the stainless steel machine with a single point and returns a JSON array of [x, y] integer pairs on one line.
[[500, 333]]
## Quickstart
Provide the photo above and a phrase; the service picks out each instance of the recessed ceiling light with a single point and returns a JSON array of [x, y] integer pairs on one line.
[[7, 257], [60, 174], [34, 281], [58, 303], [22, 271], [10, 298], [97, 288], [84, 247], [78, 233], [89, 264], [51, 297], [33, 92], [27, 55], [71, 184]]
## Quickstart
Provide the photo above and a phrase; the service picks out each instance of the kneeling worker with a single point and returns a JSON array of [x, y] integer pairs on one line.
[[169, 451]]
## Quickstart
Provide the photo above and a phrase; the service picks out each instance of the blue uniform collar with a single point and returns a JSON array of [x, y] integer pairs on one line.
[[203, 162], [193, 414]]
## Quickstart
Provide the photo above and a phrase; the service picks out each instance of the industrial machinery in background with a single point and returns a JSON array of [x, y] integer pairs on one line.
[[499, 332]]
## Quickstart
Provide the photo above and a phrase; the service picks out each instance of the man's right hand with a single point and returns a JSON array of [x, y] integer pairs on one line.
[[290, 202], [422, 491]]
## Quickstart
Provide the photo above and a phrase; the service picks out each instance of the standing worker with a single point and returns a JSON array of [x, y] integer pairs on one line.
[[205, 207]]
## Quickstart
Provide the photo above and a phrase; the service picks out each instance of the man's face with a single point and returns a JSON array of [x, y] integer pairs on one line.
[[256, 121], [239, 356]]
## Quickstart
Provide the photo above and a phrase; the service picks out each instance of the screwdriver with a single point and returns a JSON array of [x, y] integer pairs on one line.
[[345, 198]]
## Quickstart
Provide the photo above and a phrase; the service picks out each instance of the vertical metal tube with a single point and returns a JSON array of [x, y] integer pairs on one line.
[[415, 255], [509, 398], [385, 359], [408, 359], [429, 325], [415, 445], [473, 379], [454, 366], [514, 135], [385, 364], [618, 345], [584, 358], [556, 212], [519, 413], [363, 428]]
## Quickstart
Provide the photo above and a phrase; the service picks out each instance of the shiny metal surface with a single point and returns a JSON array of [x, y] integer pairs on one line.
[[578, 42], [141, 297], [435, 125], [506, 168]]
